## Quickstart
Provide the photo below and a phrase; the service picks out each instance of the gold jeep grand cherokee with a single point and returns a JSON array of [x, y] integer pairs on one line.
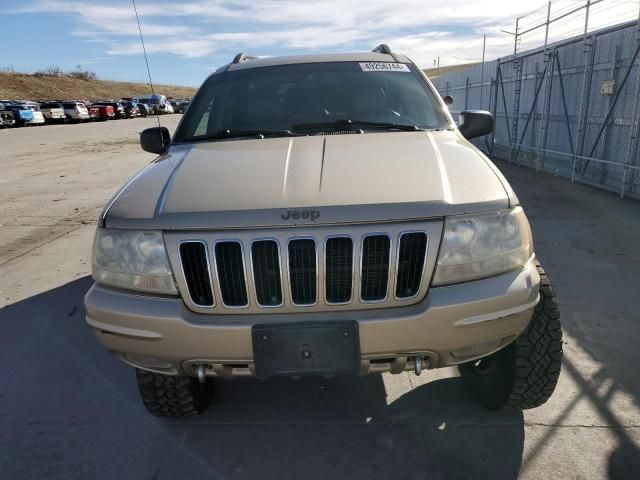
[[321, 215]]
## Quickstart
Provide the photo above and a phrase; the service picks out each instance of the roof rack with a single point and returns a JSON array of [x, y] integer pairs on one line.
[[384, 48], [242, 57], [239, 58]]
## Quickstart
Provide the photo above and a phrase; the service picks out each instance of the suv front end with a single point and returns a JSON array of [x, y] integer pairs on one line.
[[349, 246]]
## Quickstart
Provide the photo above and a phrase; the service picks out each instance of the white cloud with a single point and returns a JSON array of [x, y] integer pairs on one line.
[[423, 29]]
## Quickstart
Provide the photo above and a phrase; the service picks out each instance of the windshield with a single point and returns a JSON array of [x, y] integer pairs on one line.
[[311, 98]]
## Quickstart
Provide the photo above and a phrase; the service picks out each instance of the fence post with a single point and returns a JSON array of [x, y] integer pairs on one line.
[[535, 105], [605, 134], [544, 121], [517, 66], [484, 45], [544, 127], [495, 108], [466, 93], [584, 100], [635, 132], [589, 53]]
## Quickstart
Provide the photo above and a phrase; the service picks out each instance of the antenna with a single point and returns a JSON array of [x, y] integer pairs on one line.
[[146, 59]]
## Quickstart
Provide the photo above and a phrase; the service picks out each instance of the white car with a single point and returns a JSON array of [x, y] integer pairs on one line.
[[52, 112], [73, 111]]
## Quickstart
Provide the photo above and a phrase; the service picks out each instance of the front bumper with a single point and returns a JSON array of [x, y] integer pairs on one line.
[[453, 324]]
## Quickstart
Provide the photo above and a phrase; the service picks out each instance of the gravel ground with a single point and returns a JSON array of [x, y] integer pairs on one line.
[[70, 410]]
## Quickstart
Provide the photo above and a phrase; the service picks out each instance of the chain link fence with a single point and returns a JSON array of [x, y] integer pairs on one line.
[[571, 108]]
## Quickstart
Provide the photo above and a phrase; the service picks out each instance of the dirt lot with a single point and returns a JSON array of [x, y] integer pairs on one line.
[[70, 410]]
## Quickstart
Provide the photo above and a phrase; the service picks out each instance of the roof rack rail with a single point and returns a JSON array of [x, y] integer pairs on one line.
[[384, 48], [242, 57]]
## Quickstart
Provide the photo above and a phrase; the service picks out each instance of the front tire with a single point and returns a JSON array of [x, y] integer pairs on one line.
[[173, 396], [524, 374]]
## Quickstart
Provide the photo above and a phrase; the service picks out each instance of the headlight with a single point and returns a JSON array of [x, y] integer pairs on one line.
[[476, 246], [133, 260]]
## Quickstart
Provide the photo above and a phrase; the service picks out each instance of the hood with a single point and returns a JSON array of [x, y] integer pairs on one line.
[[316, 179]]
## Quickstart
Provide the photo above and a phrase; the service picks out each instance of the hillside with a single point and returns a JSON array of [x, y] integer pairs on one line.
[[437, 71], [30, 87]]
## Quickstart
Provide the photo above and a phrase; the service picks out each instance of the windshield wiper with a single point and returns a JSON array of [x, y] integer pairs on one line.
[[347, 124], [228, 134]]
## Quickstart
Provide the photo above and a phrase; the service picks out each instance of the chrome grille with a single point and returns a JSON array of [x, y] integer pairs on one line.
[[338, 254], [375, 267], [302, 271], [265, 258], [411, 255], [231, 276], [316, 268], [195, 265]]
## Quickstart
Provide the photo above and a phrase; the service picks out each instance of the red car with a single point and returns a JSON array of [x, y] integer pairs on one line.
[[101, 112]]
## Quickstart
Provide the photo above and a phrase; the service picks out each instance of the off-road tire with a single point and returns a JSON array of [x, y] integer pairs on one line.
[[173, 396], [524, 374]]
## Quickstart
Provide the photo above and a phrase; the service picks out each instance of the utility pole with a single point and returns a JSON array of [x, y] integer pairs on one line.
[[438, 61]]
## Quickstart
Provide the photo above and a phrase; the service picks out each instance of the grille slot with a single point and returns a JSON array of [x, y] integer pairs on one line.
[[302, 271], [195, 264], [231, 276], [411, 255], [375, 268], [265, 257], [338, 269]]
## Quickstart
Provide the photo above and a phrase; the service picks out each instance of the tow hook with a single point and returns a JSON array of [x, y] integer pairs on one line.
[[417, 365], [201, 372]]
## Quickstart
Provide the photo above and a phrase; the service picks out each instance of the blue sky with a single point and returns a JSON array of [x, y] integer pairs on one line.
[[187, 39]]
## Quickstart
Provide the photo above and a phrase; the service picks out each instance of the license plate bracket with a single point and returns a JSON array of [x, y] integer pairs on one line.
[[306, 348]]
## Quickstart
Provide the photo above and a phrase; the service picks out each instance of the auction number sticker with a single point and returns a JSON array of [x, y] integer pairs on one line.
[[384, 67]]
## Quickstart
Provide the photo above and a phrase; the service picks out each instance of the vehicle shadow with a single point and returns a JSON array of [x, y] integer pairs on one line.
[[349, 428], [71, 409]]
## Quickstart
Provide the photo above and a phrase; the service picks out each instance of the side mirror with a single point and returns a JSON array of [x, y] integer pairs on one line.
[[448, 100], [155, 140], [475, 123]]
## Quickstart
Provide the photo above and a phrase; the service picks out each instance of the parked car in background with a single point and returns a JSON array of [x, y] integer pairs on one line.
[[52, 112], [184, 105], [145, 111], [21, 113], [74, 111], [179, 106], [118, 108], [38, 117], [94, 111], [6, 117], [157, 103], [99, 111], [131, 108]]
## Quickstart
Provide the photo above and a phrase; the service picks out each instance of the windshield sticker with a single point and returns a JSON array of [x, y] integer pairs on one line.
[[384, 67]]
